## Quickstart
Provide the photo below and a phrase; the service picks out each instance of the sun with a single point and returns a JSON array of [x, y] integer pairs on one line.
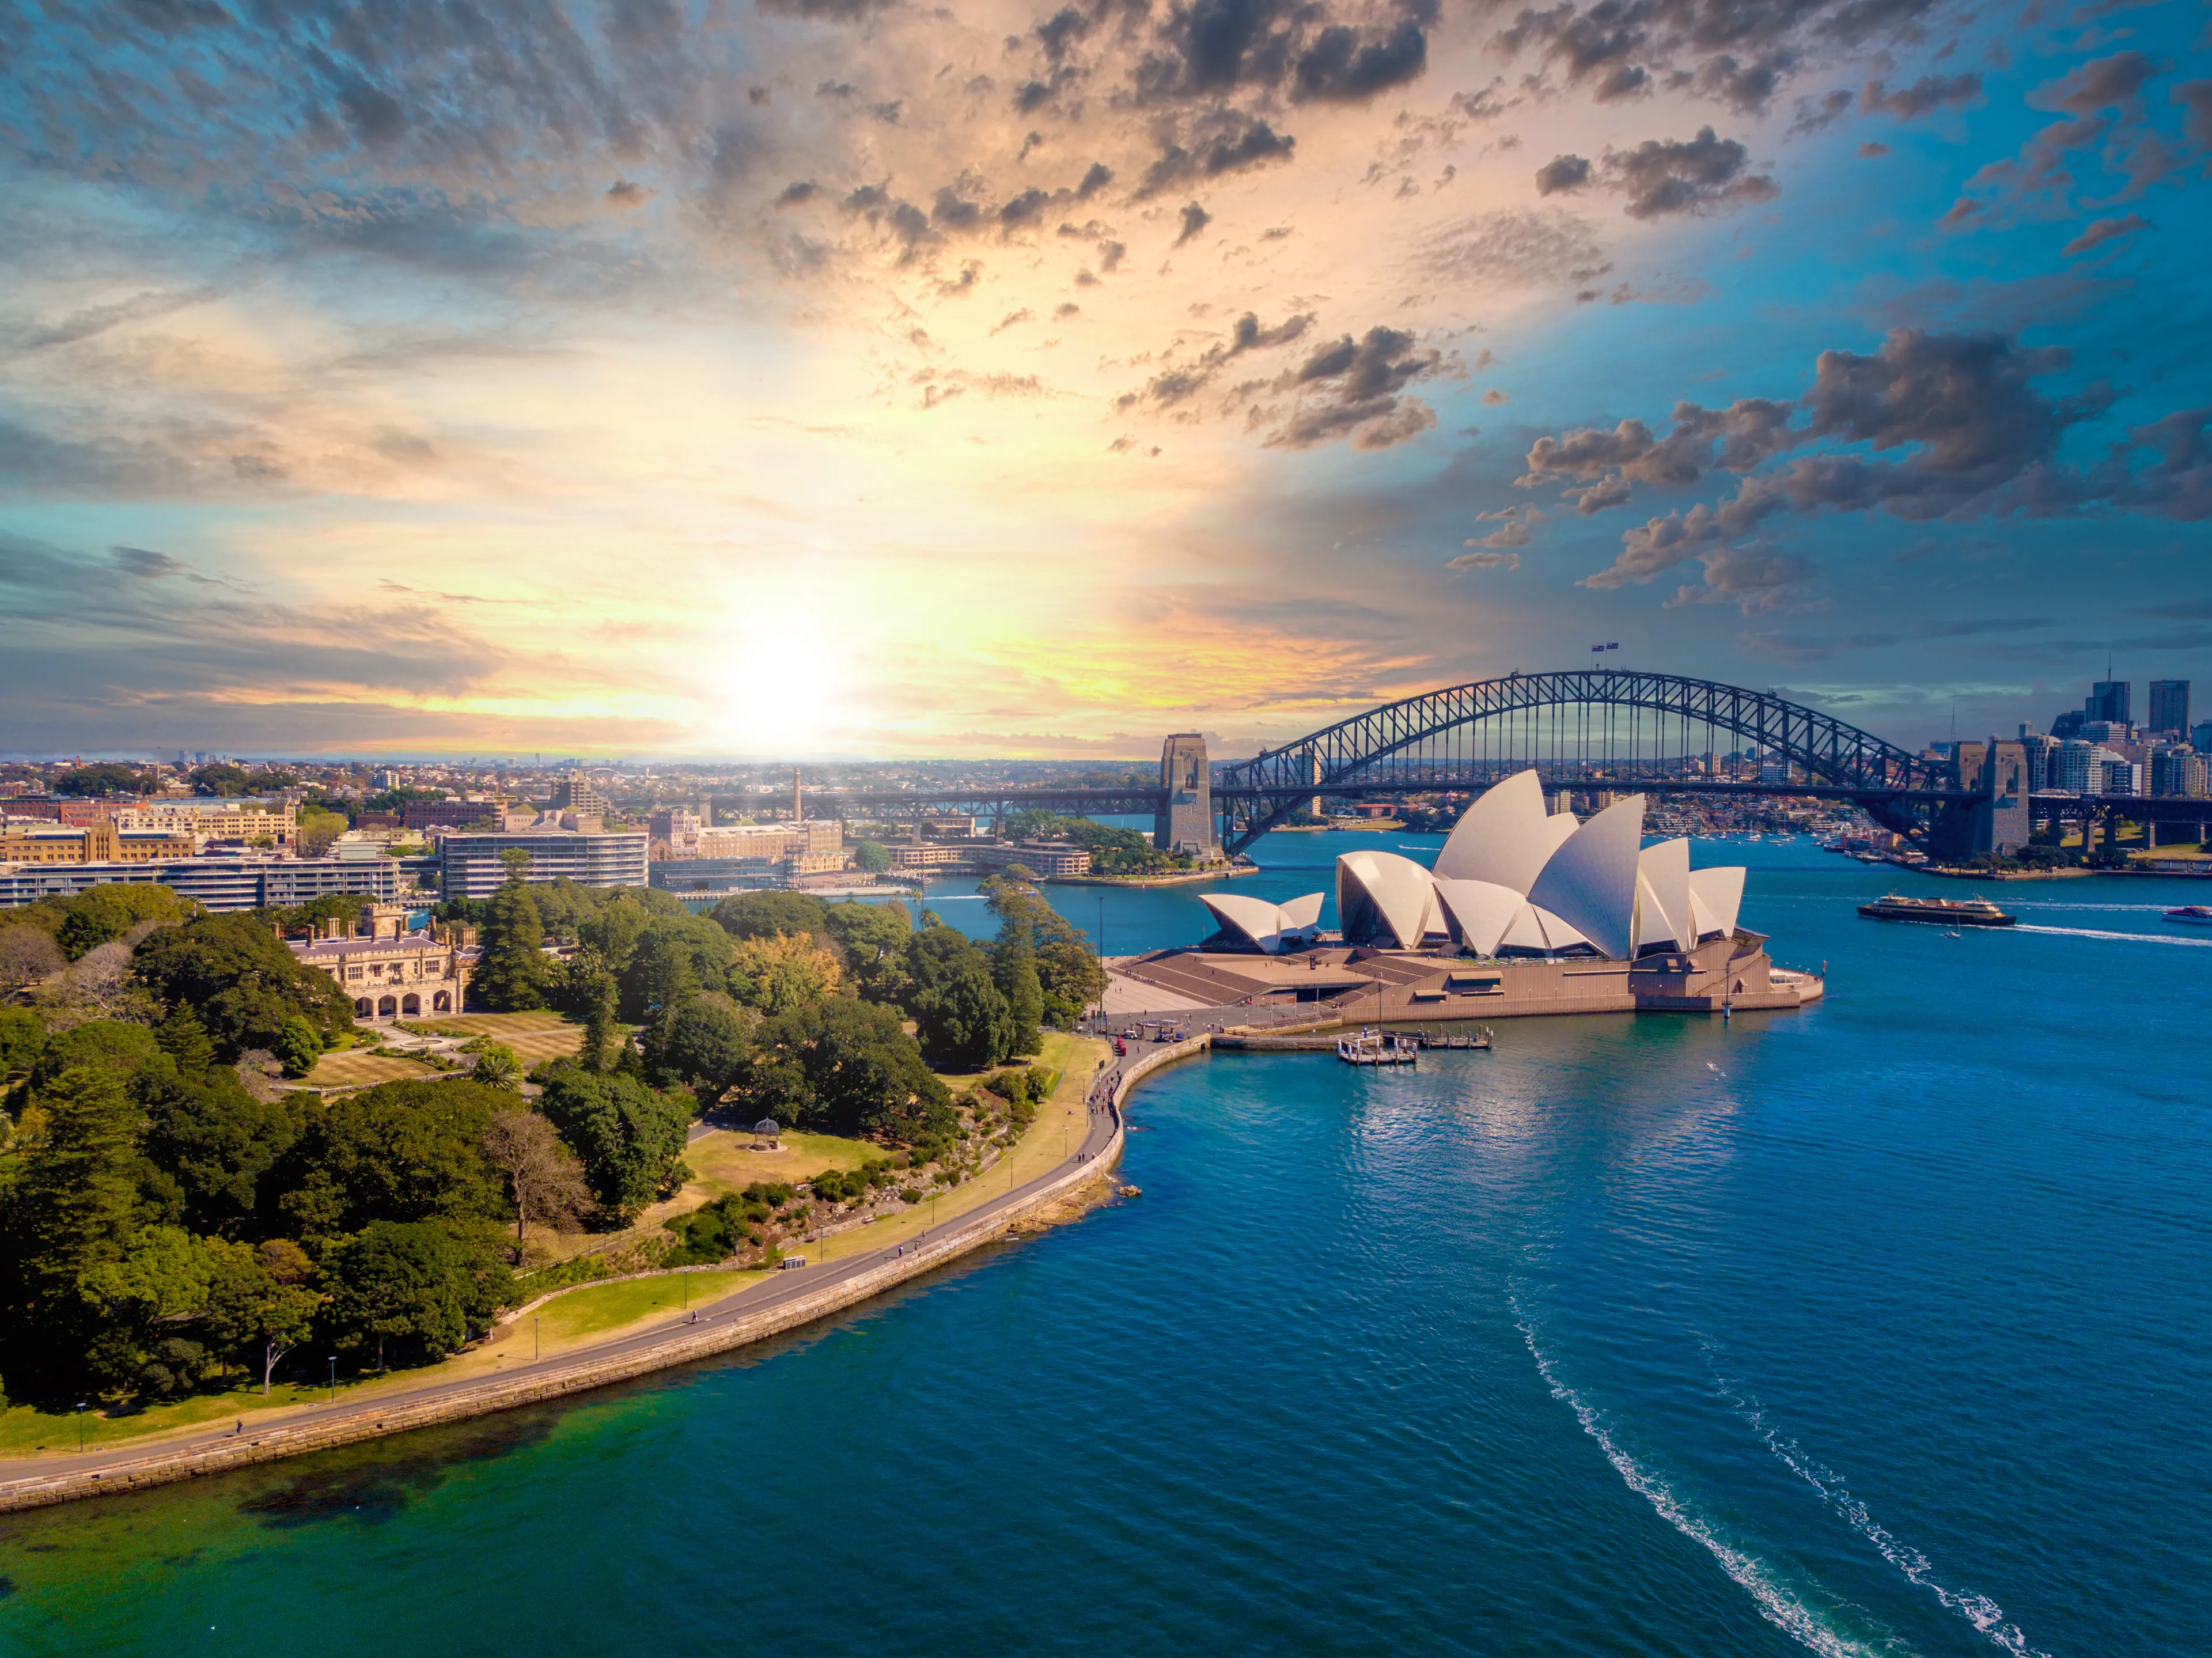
[[778, 692]]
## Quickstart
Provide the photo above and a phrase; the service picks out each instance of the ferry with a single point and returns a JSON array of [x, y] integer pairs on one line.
[[2190, 915], [1944, 911]]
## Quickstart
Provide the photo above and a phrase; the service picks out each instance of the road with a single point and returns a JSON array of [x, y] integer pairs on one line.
[[779, 1289]]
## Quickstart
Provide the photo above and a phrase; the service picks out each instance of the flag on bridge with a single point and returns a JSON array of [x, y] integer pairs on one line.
[[1614, 646]]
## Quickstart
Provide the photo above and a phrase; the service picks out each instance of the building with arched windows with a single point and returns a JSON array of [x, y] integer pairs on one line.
[[389, 972]]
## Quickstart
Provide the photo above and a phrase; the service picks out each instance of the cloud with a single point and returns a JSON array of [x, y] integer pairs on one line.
[[1221, 141], [2101, 231], [1562, 173], [1665, 176], [1354, 389], [1924, 97], [1973, 435], [1194, 219], [1180, 385], [1485, 561], [1338, 67]]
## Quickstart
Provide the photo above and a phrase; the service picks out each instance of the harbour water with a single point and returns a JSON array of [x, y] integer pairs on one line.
[[1884, 1328]]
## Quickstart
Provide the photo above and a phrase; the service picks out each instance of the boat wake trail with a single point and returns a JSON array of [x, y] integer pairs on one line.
[[1776, 1603], [2127, 938], [1984, 1613]]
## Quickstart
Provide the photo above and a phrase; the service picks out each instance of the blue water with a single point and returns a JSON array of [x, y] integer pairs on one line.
[[1879, 1327]]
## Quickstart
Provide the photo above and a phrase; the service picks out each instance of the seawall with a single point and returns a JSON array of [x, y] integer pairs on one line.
[[458, 1401]]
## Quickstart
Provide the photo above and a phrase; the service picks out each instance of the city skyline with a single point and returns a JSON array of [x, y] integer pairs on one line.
[[845, 380]]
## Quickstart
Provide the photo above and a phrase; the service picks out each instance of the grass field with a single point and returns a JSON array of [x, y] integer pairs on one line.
[[535, 1037], [25, 1430], [348, 1067], [600, 1307], [720, 1163]]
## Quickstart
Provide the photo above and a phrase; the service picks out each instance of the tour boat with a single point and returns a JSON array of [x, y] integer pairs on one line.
[[2190, 915], [1946, 912]]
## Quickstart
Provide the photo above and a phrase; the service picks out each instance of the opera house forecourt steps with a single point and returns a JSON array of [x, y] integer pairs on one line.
[[1526, 911]]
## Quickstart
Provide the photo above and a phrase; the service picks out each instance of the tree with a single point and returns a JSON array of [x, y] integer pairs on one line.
[[874, 938], [22, 1035], [184, 1039], [212, 1143], [602, 999], [319, 831], [120, 909], [961, 1018], [512, 972], [241, 981], [496, 1066], [765, 914], [299, 1045], [629, 1137], [705, 1041], [1014, 969], [72, 1212], [402, 1151], [777, 973], [105, 778], [675, 955], [1069, 974], [27, 954], [871, 857], [410, 1280], [545, 1181], [847, 1067], [259, 1302]]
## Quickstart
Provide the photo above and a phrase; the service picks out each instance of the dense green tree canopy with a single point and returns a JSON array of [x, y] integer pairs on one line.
[[235, 972], [961, 1016], [675, 957], [411, 1286], [765, 914], [106, 777], [403, 1150], [874, 938], [847, 1067], [512, 971], [629, 1136], [704, 1041]]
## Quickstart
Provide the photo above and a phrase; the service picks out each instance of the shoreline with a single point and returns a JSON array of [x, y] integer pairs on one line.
[[759, 1310]]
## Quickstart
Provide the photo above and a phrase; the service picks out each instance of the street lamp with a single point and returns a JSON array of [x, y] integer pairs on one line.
[[80, 1423], [334, 1378], [534, 1323]]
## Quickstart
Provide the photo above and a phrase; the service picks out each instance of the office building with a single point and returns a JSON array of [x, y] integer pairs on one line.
[[2200, 736], [576, 793], [2177, 770], [452, 814], [2108, 700], [2169, 706], [2118, 776], [36, 841], [218, 884], [1050, 860], [470, 865], [277, 822], [2070, 766]]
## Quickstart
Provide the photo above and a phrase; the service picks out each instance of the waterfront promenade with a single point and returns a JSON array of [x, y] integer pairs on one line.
[[783, 1301]]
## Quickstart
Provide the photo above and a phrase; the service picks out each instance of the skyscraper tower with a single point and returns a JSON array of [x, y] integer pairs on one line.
[[2169, 706]]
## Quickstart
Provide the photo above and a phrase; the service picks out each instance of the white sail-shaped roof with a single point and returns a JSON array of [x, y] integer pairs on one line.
[[1479, 912], [1381, 895], [1257, 921], [1589, 883], [1505, 837], [1716, 895], [1662, 898]]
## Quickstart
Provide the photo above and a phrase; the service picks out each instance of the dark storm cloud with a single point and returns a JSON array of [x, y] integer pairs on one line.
[[1974, 434], [1216, 48], [1341, 68]]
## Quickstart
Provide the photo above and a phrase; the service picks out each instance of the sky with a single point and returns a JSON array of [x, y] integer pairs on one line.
[[869, 377]]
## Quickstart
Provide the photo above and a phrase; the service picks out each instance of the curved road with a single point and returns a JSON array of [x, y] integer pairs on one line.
[[778, 1289]]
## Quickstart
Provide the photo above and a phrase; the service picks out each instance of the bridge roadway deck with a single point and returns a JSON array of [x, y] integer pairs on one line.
[[748, 1314]]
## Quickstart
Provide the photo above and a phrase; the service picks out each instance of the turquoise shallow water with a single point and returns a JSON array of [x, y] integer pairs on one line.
[[1877, 1328]]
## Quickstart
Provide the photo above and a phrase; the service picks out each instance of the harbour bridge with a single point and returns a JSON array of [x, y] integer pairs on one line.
[[1595, 728]]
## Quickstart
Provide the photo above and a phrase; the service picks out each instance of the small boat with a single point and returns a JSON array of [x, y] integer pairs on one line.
[[1944, 911], [2190, 915]]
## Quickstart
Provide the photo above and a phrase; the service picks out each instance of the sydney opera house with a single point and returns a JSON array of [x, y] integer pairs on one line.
[[1525, 911]]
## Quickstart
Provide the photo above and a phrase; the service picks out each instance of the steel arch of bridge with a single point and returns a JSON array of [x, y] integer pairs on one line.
[[1825, 748]]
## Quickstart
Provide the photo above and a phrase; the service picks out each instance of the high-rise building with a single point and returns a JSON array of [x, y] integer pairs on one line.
[[576, 793], [2042, 754], [2068, 723], [2070, 766], [2169, 706], [2200, 738], [2176, 770], [2108, 699]]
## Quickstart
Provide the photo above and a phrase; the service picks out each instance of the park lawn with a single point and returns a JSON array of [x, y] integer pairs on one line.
[[592, 1309], [722, 1163], [356, 1067], [535, 1037], [27, 1430]]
